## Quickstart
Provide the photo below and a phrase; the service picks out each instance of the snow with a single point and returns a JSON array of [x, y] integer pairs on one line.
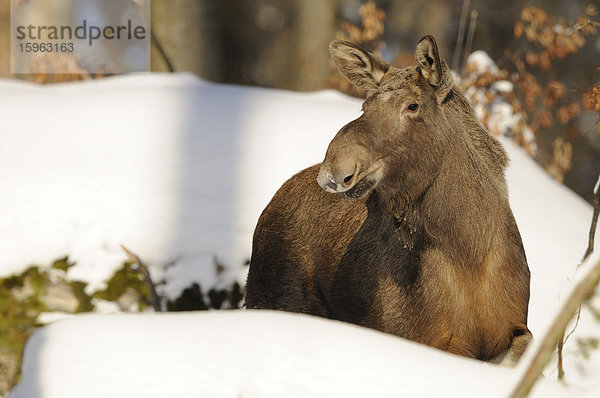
[[49, 317], [178, 170], [481, 62], [245, 353], [502, 117], [581, 373], [503, 86]]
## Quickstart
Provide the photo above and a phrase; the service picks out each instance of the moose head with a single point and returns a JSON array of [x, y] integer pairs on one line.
[[402, 129]]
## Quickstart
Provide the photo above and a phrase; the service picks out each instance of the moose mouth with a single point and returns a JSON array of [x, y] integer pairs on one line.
[[363, 184], [361, 188]]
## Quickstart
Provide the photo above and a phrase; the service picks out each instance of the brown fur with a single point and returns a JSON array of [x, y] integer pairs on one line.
[[414, 236]]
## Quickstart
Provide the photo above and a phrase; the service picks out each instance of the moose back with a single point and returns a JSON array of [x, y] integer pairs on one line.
[[405, 227]]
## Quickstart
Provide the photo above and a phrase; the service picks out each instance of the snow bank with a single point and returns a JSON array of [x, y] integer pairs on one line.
[[244, 353]]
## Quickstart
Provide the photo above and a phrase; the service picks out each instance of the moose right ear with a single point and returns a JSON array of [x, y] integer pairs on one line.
[[360, 67]]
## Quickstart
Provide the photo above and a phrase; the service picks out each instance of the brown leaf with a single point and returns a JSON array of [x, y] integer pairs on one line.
[[544, 61], [574, 109], [545, 119], [531, 34], [562, 114], [591, 99], [526, 14], [518, 29], [532, 58], [555, 90]]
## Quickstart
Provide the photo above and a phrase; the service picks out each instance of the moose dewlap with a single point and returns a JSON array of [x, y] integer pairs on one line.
[[405, 227]]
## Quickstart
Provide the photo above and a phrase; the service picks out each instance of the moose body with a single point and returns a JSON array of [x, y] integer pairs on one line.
[[405, 227]]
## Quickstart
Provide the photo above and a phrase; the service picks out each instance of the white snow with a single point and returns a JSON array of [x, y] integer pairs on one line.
[[178, 170], [502, 117], [49, 317], [481, 62], [245, 353], [503, 86]]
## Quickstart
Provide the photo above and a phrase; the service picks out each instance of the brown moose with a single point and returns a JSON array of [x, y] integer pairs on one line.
[[410, 231]]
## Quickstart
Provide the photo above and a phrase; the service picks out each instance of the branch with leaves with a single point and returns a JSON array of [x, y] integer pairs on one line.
[[145, 273]]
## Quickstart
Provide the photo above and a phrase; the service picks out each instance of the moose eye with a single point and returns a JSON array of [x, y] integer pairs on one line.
[[412, 107]]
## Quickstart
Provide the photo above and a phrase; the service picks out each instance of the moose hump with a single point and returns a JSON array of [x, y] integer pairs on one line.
[[405, 227]]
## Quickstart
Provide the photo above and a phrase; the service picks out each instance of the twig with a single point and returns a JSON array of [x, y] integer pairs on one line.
[[588, 252], [161, 51], [574, 326], [461, 33], [561, 343], [470, 35], [561, 369], [143, 269], [592, 234], [535, 362]]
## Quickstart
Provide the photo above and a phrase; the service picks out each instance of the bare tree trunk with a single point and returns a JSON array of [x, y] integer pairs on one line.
[[188, 35], [315, 28], [5, 40]]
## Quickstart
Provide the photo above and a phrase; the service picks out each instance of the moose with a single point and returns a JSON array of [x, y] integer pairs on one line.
[[408, 228]]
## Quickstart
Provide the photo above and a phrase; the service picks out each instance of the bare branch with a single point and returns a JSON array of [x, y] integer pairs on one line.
[[143, 270], [461, 33], [561, 369], [592, 234], [470, 36]]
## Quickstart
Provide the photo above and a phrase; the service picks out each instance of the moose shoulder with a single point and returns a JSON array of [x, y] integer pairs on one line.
[[409, 229]]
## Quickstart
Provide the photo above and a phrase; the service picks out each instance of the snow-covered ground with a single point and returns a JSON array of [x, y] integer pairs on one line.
[[178, 170], [245, 354]]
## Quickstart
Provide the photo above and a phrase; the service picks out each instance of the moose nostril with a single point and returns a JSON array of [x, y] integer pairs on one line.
[[348, 179], [332, 185]]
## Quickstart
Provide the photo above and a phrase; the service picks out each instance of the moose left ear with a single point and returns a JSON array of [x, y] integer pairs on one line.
[[433, 67]]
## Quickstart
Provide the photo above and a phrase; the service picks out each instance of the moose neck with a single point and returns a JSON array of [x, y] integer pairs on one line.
[[442, 203], [405, 207]]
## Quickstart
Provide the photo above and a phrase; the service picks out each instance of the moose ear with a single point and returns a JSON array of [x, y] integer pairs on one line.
[[433, 67], [360, 67]]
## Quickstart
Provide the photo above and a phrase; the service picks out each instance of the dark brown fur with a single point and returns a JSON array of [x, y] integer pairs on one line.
[[415, 236]]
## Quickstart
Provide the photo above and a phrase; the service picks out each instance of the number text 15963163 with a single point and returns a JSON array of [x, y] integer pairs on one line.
[[46, 47]]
